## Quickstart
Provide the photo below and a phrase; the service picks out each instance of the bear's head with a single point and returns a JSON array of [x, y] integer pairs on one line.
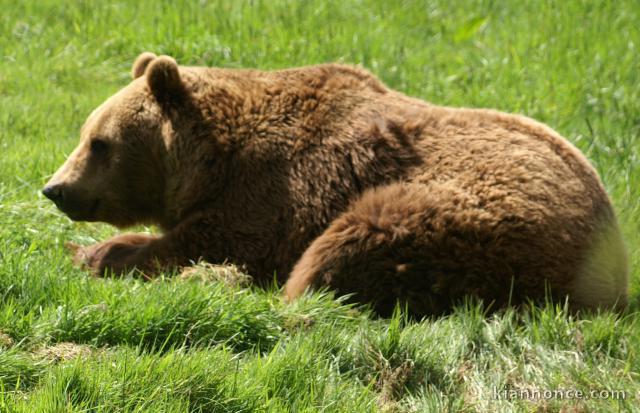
[[117, 172]]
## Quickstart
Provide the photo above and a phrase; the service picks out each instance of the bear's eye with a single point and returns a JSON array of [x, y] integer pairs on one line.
[[99, 147]]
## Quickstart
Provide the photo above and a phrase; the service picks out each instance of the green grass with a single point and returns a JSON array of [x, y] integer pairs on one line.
[[69, 342]]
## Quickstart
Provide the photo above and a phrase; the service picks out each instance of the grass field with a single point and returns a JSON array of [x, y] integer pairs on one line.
[[69, 342]]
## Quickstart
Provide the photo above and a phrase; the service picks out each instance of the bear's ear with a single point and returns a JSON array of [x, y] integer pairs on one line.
[[164, 79], [141, 63]]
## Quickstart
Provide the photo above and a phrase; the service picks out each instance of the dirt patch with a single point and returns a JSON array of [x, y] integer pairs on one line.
[[391, 384], [298, 322], [5, 340]]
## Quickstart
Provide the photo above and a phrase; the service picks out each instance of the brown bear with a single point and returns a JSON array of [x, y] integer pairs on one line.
[[327, 177]]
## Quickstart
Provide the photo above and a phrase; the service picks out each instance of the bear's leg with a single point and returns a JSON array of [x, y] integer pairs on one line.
[[195, 238], [420, 244], [116, 254]]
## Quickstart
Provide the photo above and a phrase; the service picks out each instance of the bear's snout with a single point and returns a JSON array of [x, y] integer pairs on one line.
[[76, 207], [54, 193]]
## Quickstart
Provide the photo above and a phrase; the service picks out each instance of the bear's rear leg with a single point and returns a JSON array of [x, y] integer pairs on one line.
[[399, 242]]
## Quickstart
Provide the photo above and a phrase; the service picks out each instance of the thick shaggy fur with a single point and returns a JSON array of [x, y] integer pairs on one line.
[[327, 177]]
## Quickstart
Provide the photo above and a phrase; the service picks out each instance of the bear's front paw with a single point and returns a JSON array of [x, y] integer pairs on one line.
[[115, 256]]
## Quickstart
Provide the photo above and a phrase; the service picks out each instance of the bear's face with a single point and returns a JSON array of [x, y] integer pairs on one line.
[[115, 174]]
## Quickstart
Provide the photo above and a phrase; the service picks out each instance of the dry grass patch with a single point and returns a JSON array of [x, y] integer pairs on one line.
[[64, 351], [228, 274]]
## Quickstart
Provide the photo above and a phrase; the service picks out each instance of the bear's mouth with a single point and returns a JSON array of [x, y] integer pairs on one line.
[[76, 212]]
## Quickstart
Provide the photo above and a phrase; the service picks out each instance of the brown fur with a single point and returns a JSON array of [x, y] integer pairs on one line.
[[327, 177]]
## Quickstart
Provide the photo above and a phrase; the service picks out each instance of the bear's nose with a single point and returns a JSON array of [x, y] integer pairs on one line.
[[53, 192]]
